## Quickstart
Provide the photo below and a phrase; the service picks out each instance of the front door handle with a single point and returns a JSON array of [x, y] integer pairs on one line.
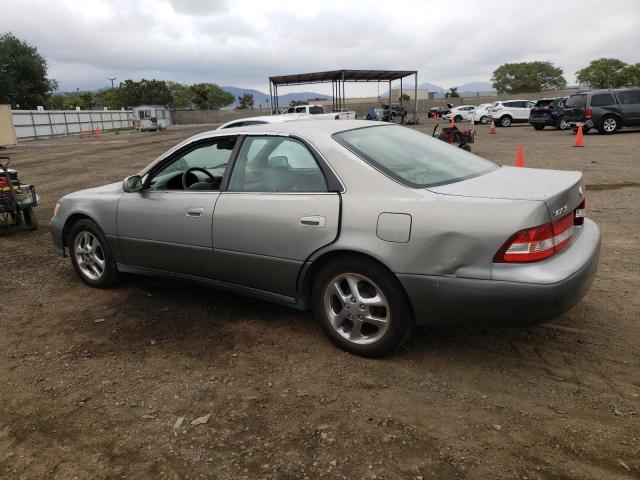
[[312, 221], [195, 212]]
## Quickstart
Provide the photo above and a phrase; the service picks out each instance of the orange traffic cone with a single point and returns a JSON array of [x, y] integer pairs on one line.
[[519, 157], [81, 132], [492, 128], [98, 131], [579, 141], [453, 122]]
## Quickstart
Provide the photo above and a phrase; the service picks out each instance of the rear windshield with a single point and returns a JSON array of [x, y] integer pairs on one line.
[[576, 101], [413, 158], [316, 110], [543, 103]]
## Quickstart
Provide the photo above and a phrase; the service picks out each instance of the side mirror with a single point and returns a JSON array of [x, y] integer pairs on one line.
[[132, 184]]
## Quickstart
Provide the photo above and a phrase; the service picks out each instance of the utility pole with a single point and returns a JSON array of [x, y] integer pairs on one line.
[[112, 80]]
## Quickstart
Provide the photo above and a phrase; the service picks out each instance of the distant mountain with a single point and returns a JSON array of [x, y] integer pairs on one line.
[[429, 86], [473, 87], [260, 98]]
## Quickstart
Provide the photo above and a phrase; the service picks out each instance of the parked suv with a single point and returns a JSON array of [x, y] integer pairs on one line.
[[504, 113], [605, 110], [548, 112]]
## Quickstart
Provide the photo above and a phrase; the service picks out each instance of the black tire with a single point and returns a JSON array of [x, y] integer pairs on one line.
[[466, 147], [400, 316], [539, 127], [484, 120], [30, 218], [110, 275], [457, 119], [609, 125], [505, 121]]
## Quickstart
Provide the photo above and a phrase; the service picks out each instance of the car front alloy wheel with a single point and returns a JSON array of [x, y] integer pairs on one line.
[[91, 256]]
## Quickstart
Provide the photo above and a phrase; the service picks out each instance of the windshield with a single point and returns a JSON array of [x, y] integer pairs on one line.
[[411, 157], [544, 103]]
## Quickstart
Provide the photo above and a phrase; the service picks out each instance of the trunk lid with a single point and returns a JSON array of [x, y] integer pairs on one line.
[[561, 191]]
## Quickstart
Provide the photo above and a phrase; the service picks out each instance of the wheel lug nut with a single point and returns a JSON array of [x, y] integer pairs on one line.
[[360, 316], [353, 299], [362, 306]]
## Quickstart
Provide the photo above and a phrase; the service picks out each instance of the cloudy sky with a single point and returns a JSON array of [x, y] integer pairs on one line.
[[241, 43]]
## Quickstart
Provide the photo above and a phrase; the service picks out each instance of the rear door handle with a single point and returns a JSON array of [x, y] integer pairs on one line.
[[195, 212], [312, 221]]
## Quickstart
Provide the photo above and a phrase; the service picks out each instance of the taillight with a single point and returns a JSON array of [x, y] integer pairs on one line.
[[587, 112], [537, 243], [580, 213]]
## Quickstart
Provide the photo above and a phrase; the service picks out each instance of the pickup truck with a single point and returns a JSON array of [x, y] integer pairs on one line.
[[318, 113]]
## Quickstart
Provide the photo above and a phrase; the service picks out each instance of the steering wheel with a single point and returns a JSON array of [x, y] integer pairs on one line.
[[194, 169]]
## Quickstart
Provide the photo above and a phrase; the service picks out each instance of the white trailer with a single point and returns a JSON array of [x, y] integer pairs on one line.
[[151, 118]]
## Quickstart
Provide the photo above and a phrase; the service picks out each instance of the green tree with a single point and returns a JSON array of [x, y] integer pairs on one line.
[[210, 96], [57, 101], [23, 74], [295, 103], [632, 75], [245, 101], [84, 100], [404, 97], [527, 77], [603, 73], [452, 93], [144, 92], [109, 98], [181, 95]]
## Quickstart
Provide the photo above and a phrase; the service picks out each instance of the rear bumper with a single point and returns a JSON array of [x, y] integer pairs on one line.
[[546, 120], [518, 294]]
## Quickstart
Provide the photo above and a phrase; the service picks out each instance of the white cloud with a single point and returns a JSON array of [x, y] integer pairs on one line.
[[243, 42]]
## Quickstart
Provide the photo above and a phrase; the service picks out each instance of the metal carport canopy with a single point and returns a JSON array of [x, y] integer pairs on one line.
[[338, 78]]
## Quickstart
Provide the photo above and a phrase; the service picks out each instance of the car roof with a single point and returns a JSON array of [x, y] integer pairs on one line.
[[305, 128]]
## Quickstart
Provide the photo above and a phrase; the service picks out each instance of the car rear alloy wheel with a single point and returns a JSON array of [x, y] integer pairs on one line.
[[357, 309], [484, 120], [90, 255], [562, 125], [361, 306], [505, 121], [609, 125], [457, 119]]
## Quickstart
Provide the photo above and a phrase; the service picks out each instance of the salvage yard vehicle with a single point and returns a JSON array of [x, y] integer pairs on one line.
[[463, 112], [317, 112], [548, 113], [481, 114], [17, 199], [440, 111], [605, 110], [375, 227], [506, 113]]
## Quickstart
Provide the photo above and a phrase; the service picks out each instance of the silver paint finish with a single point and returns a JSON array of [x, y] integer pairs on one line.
[[168, 230], [259, 241], [394, 227], [89, 255]]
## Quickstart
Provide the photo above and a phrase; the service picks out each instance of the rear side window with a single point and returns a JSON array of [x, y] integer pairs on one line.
[[602, 99], [576, 101], [543, 103], [629, 97], [412, 158]]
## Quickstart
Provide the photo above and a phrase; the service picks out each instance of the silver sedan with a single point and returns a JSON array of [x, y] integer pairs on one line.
[[375, 227]]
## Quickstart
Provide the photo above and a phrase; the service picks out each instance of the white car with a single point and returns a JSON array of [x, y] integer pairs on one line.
[[481, 114], [463, 112], [505, 113], [245, 122]]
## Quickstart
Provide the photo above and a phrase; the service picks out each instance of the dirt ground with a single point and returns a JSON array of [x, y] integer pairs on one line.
[[93, 383]]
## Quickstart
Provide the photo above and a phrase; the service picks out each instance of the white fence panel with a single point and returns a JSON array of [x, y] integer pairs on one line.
[[48, 123]]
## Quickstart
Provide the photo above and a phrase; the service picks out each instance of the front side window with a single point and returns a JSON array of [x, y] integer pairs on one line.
[[301, 109], [200, 168], [411, 157], [316, 110], [602, 100], [276, 164]]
